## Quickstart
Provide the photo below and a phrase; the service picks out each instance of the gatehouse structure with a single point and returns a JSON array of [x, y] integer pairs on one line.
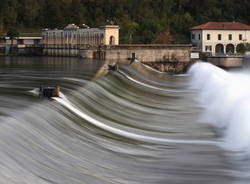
[[220, 38], [68, 41]]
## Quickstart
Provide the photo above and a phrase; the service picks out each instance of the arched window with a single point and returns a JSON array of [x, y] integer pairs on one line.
[[241, 48], [230, 49], [112, 40], [219, 49]]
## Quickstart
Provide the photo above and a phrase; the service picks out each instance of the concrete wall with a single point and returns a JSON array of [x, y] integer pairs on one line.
[[61, 52], [246, 61], [166, 58], [149, 53], [144, 53], [226, 62], [23, 51], [87, 53]]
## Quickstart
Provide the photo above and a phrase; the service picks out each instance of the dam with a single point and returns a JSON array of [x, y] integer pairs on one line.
[[102, 43], [134, 125]]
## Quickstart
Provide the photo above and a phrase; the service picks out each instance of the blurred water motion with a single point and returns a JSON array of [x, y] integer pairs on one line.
[[42, 141]]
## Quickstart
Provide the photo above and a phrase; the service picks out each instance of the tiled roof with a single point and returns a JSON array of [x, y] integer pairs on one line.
[[222, 26]]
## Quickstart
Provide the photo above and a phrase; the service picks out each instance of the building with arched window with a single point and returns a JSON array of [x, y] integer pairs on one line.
[[220, 37], [72, 38]]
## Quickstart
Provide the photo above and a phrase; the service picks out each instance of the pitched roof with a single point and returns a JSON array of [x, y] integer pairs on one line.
[[222, 26]]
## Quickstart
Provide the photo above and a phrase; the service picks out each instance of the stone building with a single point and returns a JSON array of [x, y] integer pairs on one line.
[[220, 37], [74, 37]]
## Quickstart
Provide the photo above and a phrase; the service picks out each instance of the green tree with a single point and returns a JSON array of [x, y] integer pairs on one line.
[[141, 21], [128, 31], [243, 47], [29, 12], [12, 34]]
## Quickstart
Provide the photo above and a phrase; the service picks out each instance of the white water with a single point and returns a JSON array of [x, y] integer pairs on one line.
[[63, 101], [226, 100]]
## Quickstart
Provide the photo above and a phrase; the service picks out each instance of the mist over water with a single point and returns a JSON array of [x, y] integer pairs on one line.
[[132, 126], [225, 98]]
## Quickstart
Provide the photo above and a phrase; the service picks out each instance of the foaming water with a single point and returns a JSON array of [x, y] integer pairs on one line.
[[226, 100]]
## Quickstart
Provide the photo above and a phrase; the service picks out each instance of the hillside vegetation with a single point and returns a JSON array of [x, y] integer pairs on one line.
[[141, 21]]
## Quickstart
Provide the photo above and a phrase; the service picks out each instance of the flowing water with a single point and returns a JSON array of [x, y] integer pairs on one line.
[[131, 126]]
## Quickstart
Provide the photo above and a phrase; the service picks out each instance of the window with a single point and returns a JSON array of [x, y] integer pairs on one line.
[[208, 48], [230, 36], [240, 36], [219, 36], [36, 41], [193, 36], [133, 56], [208, 36], [20, 41], [199, 36], [195, 45], [112, 40]]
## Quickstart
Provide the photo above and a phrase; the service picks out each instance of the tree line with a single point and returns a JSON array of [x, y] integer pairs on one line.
[[141, 21]]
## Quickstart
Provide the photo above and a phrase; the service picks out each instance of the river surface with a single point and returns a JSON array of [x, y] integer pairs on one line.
[[132, 126]]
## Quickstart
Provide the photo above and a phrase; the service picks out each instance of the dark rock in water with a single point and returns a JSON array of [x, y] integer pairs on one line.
[[133, 59], [113, 67], [49, 91]]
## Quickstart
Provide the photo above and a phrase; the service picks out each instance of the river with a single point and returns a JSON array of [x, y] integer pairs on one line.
[[131, 126]]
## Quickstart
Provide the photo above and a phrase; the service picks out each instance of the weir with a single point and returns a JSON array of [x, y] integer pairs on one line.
[[135, 122], [127, 134]]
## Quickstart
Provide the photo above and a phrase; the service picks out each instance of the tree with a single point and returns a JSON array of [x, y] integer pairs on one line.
[[243, 47], [164, 38], [141, 21], [128, 31], [12, 34], [28, 13]]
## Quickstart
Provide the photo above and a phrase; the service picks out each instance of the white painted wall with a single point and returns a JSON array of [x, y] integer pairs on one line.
[[224, 38]]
